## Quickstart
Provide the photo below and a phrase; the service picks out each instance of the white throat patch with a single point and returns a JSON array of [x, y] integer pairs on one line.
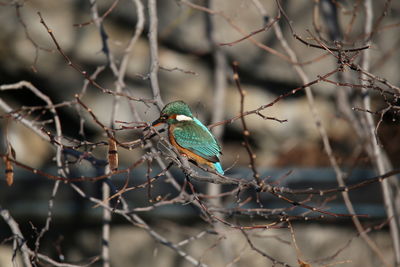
[[183, 118]]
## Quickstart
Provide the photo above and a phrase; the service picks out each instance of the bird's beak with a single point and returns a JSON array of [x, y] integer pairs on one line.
[[155, 123], [158, 122]]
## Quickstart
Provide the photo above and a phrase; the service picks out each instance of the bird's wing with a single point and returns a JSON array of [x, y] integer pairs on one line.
[[198, 139]]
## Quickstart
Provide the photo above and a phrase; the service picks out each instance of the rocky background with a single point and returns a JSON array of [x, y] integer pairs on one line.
[[196, 66]]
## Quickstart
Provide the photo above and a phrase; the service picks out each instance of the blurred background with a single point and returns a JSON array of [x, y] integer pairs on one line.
[[197, 43]]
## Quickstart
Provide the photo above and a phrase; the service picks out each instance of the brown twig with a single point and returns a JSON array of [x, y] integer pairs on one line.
[[101, 18], [262, 253], [246, 132], [263, 29]]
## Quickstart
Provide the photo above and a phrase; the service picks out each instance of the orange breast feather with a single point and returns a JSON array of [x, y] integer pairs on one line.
[[187, 152]]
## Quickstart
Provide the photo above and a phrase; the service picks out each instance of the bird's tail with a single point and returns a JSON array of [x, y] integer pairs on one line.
[[218, 168]]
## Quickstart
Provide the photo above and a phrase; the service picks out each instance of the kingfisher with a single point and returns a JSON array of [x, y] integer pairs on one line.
[[189, 136]]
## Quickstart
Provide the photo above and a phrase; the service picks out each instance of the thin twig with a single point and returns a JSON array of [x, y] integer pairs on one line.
[[154, 64], [246, 132], [378, 153]]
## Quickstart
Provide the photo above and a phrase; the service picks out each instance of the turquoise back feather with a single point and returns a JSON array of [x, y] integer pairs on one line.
[[196, 137]]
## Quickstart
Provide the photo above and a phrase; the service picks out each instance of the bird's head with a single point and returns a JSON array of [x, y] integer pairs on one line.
[[174, 112]]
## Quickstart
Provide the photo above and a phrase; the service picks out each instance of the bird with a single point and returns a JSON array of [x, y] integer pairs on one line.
[[189, 136]]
